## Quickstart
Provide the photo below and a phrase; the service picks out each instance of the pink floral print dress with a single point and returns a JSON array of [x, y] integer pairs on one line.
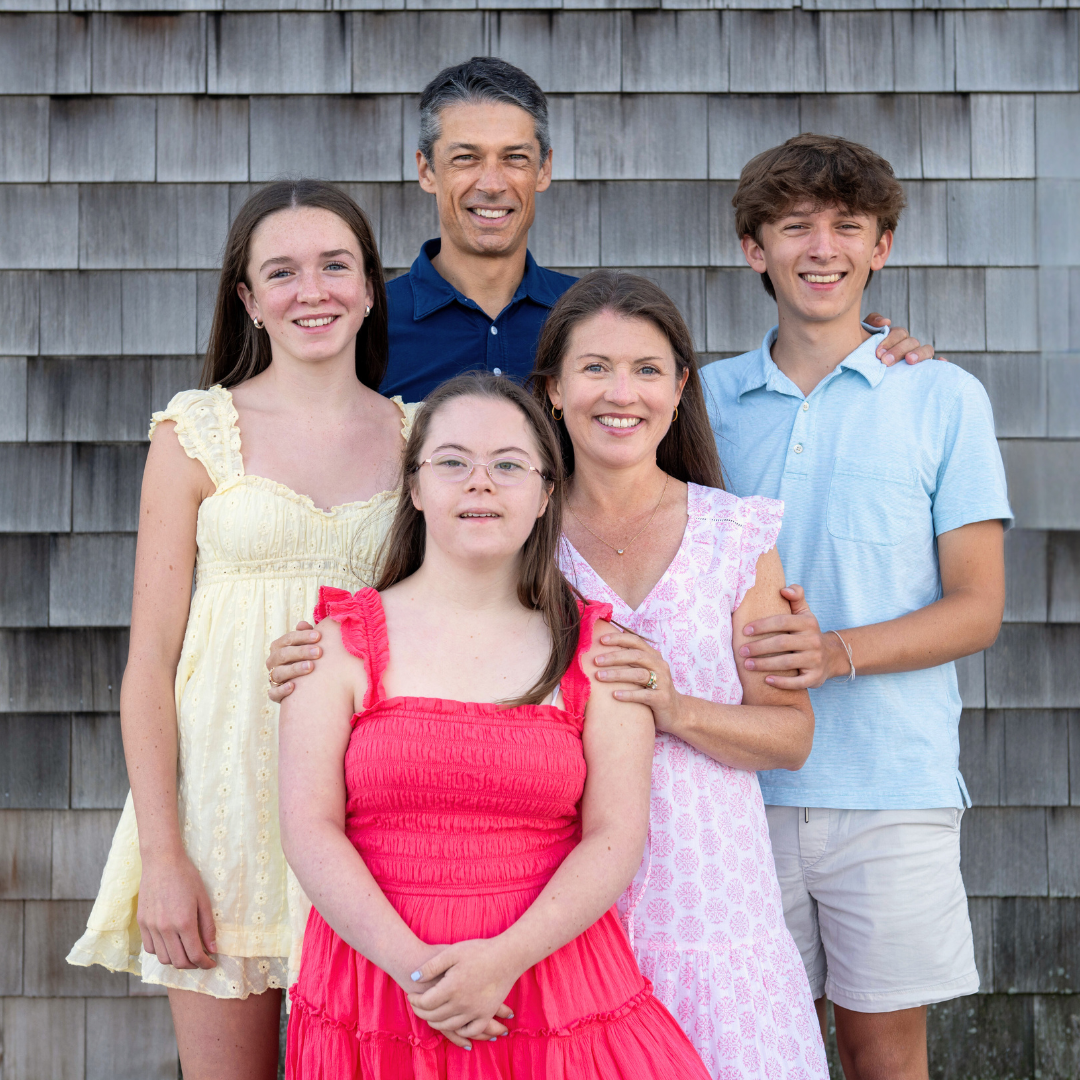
[[704, 914]]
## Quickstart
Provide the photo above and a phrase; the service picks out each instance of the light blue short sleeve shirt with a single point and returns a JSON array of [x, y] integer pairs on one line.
[[872, 467]]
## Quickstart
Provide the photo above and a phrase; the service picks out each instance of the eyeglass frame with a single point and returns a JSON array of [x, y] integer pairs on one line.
[[487, 468]]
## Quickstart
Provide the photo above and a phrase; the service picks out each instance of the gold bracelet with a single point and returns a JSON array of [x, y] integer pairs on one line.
[[847, 649]]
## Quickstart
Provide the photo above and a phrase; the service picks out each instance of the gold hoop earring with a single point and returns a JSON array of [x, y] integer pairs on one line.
[[553, 416], [258, 324], [676, 416]]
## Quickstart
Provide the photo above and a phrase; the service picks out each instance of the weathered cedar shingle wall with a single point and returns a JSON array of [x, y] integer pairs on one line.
[[127, 139]]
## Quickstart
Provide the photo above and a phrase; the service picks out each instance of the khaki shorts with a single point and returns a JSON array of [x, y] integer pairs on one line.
[[876, 904]]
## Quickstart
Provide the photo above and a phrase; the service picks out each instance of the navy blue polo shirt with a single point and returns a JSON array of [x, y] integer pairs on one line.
[[436, 332]]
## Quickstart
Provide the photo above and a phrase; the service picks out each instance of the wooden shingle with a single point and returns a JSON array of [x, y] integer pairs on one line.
[[567, 229], [19, 312], [743, 126], [1056, 119], [409, 217], [35, 765], [287, 137], [52, 927], [62, 670], [158, 312], [44, 54], [149, 54], [982, 754], [992, 223], [25, 854], [90, 579], [1035, 944], [24, 580], [98, 771], [105, 485], [738, 310], [1044, 485], [101, 139], [400, 52], [1017, 50], [776, 52], [310, 53], [674, 52], [80, 313], [35, 487], [82, 400], [945, 136], [887, 123], [12, 398], [1012, 310], [1002, 135], [921, 239], [1026, 575], [81, 842], [1036, 759], [1063, 846], [641, 137], [33, 1045], [644, 224], [127, 226], [130, 1039], [1003, 851], [24, 139], [1030, 665], [924, 44], [858, 52], [201, 139], [40, 226], [948, 307], [1063, 569], [11, 949]]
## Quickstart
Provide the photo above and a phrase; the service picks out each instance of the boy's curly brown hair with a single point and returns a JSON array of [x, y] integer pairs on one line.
[[824, 170]]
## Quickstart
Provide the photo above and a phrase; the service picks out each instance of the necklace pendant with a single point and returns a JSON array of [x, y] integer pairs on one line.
[[619, 551]]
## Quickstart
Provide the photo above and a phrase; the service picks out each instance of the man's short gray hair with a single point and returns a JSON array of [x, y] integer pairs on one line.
[[481, 79]]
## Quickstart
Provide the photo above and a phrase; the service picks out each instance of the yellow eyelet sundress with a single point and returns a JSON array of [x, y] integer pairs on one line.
[[263, 552]]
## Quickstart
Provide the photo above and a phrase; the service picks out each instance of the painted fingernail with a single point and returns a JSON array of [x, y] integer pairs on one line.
[[416, 976], [468, 1046], [510, 1017]]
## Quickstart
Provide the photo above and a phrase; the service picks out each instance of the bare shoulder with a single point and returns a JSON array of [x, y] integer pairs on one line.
[[338, 671], [169, 465], [763, 597]]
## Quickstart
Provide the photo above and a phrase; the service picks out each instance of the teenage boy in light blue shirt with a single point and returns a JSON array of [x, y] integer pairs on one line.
[[895, 503]]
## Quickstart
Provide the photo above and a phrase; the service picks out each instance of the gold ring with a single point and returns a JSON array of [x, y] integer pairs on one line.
[[270, 676], [651, 684]]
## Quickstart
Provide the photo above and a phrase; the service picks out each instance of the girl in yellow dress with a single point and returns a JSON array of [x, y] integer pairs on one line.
[[278, 478]]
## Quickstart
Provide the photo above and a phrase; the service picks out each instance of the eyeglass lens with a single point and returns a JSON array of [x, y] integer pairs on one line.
[[505, 471]]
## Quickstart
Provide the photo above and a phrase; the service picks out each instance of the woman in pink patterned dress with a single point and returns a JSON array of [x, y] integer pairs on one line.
[[686, 567]]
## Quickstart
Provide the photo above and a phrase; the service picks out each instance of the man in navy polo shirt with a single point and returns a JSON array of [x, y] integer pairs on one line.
[[475, 297]]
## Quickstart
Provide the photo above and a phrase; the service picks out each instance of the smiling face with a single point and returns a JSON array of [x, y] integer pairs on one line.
[[818, 260], [485, 174], [476, 519], [618, 389], [306, 283]]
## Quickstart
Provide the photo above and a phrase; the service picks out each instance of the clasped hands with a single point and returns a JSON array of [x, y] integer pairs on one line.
[[461, 990]]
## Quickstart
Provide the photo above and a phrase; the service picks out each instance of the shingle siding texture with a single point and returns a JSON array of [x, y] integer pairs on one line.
[[131, 132]]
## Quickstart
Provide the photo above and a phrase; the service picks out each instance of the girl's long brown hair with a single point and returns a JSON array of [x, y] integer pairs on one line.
[[541, 586], [688, 450], [237, 350]]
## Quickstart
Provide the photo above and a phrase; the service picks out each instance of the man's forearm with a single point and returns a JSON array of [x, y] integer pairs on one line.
[[964, 622]]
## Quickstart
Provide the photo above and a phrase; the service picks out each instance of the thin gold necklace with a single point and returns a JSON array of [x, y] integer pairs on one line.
[[617, 550]]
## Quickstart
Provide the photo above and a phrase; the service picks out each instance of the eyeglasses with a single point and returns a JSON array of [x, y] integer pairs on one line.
[[456, 468]]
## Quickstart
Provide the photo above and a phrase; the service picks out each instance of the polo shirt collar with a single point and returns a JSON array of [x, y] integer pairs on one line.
[[762, 369], [431, 291]]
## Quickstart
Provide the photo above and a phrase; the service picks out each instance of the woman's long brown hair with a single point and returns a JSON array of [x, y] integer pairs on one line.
[[237, 350], [688, 450], [541, 586]]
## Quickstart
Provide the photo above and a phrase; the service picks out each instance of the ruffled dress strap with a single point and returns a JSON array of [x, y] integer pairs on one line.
[[408, 414], [761, 519], [206, 425], [363, 632], [576, 683]]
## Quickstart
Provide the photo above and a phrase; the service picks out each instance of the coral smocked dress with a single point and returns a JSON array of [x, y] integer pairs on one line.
[[463, 811]]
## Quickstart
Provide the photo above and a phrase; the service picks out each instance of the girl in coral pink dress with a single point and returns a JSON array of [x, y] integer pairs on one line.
[[460, 803]]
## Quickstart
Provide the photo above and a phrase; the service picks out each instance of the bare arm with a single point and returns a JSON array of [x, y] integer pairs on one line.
[[174, 910], [965, 620], [477, 975], [771, 729]]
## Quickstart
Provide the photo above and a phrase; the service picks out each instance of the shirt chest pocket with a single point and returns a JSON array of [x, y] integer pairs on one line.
[[876, 502]]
